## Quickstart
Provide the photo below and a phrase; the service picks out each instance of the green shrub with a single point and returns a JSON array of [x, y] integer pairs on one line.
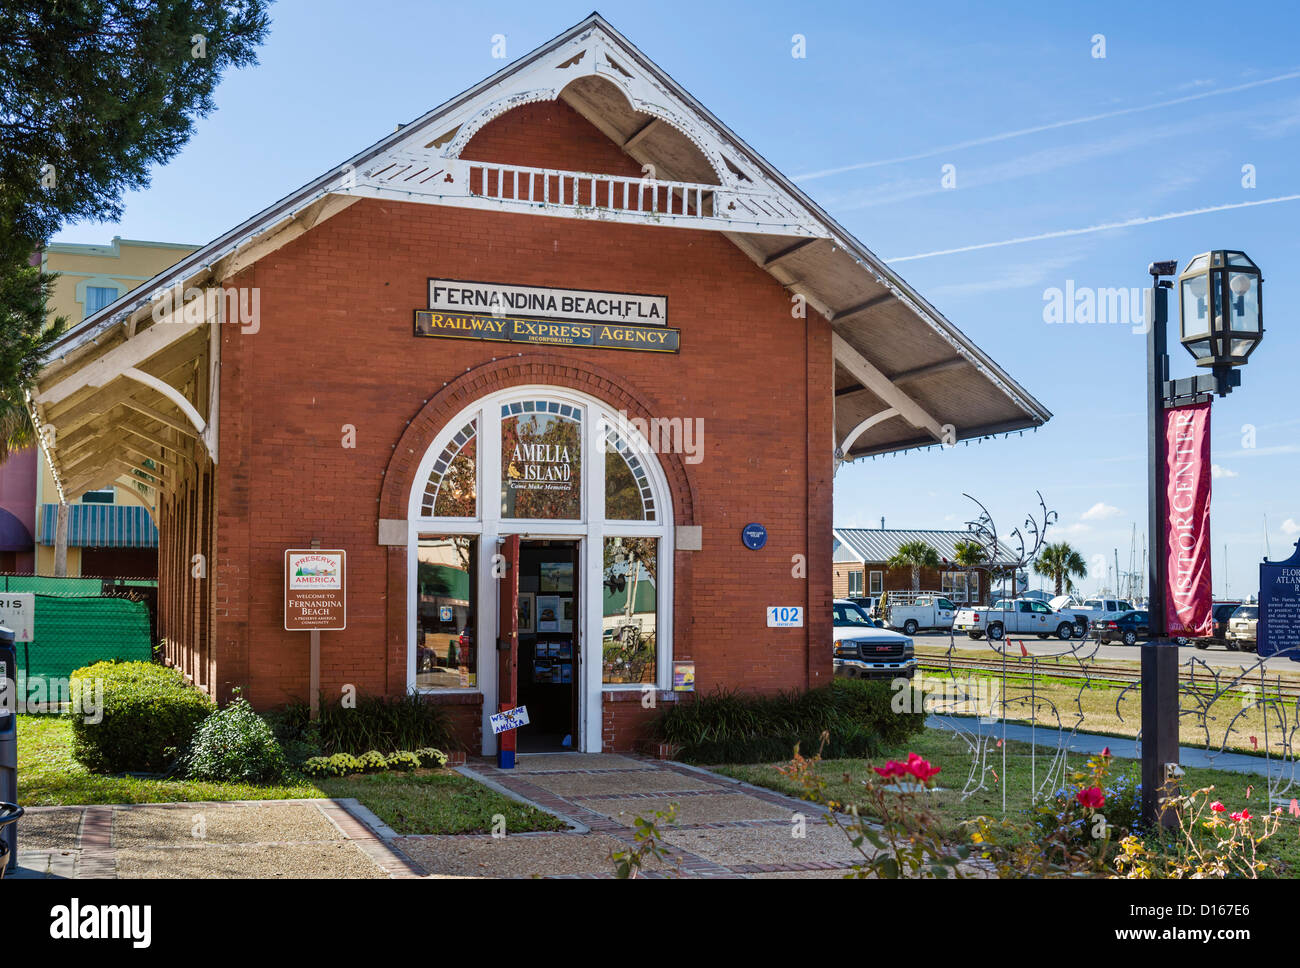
[[403, 761], [733, 727], [340, 764], [235, 744], [374, 723], [343, 764], [430, 757], [149, 717]]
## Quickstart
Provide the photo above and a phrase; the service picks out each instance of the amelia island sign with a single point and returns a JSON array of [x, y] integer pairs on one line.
[[498, 312]]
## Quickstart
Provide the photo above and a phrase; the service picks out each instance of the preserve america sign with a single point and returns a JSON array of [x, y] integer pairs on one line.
[[498, 312]]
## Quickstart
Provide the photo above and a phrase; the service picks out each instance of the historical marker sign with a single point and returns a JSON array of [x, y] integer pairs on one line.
[[315, 590], [1278, 631]]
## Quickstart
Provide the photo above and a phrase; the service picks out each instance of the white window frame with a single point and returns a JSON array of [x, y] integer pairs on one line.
[[589, 531], [876, 584], [855, 583]]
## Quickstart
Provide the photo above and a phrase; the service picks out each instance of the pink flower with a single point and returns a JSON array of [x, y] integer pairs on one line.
[[1106, 752], [1093, 798], [920, 768], [1240, 817], [915, 767], [1217, 807]]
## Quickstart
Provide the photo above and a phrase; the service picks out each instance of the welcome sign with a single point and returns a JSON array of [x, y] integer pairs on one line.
[[315, 590], [499, 313]]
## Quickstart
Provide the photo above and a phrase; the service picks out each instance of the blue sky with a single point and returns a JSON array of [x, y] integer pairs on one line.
[[887, 95]]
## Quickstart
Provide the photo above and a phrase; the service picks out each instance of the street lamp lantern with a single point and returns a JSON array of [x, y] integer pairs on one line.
[[1220, 308]]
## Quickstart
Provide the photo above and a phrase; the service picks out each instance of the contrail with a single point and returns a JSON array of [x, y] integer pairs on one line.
[[1007, 135], [1127, 223]]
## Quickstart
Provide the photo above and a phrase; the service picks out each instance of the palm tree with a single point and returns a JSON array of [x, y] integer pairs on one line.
[[915, 555], [1061, 563]]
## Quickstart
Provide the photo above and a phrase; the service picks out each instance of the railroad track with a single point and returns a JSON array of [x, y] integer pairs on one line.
[[1069, 667]]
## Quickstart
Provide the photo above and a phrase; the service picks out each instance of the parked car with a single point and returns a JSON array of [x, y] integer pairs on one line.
[[922, 612], [1021, 616], [1241, 628], [1219, 635], [864, 650], [868, 603], [1128, 628], [1086, 611]]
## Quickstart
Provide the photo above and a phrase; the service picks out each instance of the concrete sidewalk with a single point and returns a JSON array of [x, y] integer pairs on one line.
[[239, 839], [1121, 746]]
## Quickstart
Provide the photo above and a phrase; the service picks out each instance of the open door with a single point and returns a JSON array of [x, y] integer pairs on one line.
[[508, 646]]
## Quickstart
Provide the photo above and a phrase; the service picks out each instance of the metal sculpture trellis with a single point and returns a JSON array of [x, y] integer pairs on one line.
[[1206, 692]]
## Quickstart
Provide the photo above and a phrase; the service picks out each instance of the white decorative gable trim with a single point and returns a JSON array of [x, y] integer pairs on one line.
[[426, 165]]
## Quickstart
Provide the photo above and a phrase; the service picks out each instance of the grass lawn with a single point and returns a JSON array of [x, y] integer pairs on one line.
[[950, 752], [421, 802]]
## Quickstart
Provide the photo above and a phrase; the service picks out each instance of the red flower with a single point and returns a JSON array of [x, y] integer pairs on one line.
[[1217, 807], [922, 769], [1093, 797], [1106, 752], [915, 767], [1239, 817]]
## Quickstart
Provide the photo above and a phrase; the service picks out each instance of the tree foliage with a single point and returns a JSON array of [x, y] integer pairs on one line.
[[1061, 563], [914, 555], [92, 93]]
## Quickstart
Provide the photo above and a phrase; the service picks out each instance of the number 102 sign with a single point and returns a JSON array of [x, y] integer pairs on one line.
[[785, 616]]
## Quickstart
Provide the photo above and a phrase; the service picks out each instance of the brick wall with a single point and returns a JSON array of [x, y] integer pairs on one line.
[[336, 349]]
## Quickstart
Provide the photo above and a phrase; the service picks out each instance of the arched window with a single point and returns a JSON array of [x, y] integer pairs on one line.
[[562, 470]]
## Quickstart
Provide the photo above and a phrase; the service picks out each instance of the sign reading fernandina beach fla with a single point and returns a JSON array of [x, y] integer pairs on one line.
[[315, 590], [554, 317]]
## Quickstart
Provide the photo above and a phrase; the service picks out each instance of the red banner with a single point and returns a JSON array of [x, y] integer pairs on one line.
[[1188, 589]]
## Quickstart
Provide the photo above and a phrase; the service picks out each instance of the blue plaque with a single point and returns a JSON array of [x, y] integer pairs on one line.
[[1278, 632], [754, 535]]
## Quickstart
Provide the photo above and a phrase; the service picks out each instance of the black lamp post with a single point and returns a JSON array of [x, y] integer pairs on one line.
[[1221, 321]]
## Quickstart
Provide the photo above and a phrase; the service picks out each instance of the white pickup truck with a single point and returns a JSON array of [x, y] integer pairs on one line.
[[922, 612], [1021, 616], [865, 651], [1088, 610]]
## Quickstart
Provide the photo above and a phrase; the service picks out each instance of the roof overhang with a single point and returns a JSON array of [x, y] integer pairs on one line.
[[903, 377]]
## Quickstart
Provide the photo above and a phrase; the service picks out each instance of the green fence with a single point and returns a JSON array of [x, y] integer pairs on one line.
[[49, 585], [71, 632]]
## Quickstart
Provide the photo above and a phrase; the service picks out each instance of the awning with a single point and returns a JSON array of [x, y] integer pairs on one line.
[[14, 535], [100, 526]]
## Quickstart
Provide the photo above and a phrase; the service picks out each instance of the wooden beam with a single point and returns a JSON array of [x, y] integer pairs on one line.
[[640, 133], [842, 314], [866, 373], [180, 426], [788, 251]]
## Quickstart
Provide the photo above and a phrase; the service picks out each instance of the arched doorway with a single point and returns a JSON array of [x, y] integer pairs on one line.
[[578, 484]]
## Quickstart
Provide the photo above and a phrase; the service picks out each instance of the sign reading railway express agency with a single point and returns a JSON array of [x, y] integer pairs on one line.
[[315, 590], [553, 317]]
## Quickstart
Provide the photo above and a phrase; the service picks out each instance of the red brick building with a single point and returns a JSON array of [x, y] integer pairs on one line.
[[533, 361]]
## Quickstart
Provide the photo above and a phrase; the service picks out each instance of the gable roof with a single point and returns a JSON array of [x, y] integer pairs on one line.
[[874, 546], [904, 377]]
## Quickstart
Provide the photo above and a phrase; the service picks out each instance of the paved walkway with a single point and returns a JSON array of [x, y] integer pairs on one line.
[[725, 828], [247, 838]]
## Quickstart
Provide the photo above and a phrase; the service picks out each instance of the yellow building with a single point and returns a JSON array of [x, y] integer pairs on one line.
[[111, 532]]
